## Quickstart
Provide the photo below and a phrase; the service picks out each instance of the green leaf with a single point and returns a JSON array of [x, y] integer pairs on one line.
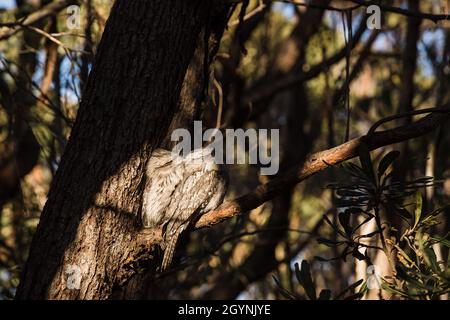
[[349, 193], [440, 210], [431, 260], [344, 220], [354, 170], [387, 160], [349, 289], [358, 255], [369, 217], [368, 235], [356, 296], [304, 278], [422, 180], [403, 212], [366, 163], [329, 243], [321, 259], [418, 211], [363, 289], [285, 293], [442, 241]]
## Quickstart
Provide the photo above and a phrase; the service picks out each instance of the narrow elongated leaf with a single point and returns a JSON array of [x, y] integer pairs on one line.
[[329, 243], [385, 163], [349, 193], [403, 212], [358, 255], [431, 260], [356, 296], [321, 259], [442, 241], [285, 293], [354, 170], [305, 279], [366, 163], [325, 294], [418, 211], [349, 289], [369, 235], [344, 220], [421, 180], [369, 217]]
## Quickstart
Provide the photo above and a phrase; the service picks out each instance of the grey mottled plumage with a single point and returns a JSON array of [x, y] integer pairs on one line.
[[179, 189]]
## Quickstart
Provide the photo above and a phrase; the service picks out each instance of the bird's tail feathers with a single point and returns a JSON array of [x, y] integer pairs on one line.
[[168, 252]]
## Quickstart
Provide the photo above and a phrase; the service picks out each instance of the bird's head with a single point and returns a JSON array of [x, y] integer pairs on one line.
[[202, 159]]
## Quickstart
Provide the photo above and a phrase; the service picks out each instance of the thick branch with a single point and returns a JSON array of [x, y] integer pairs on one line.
[[318, 162], [144, 246]]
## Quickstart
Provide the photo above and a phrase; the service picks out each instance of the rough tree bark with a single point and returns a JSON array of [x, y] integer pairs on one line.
[[142, 285], [90, 220]]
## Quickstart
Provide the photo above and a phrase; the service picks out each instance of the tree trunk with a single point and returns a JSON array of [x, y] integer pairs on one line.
[[90, 226], [142, 285], [407, 88]]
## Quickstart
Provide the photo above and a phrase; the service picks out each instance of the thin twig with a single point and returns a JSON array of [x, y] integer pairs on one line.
[[220, 107]]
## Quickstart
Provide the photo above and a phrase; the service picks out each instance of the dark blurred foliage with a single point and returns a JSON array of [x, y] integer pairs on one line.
[[403, 66]]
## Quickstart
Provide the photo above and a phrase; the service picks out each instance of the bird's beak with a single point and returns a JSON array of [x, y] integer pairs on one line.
[[212, 166]]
